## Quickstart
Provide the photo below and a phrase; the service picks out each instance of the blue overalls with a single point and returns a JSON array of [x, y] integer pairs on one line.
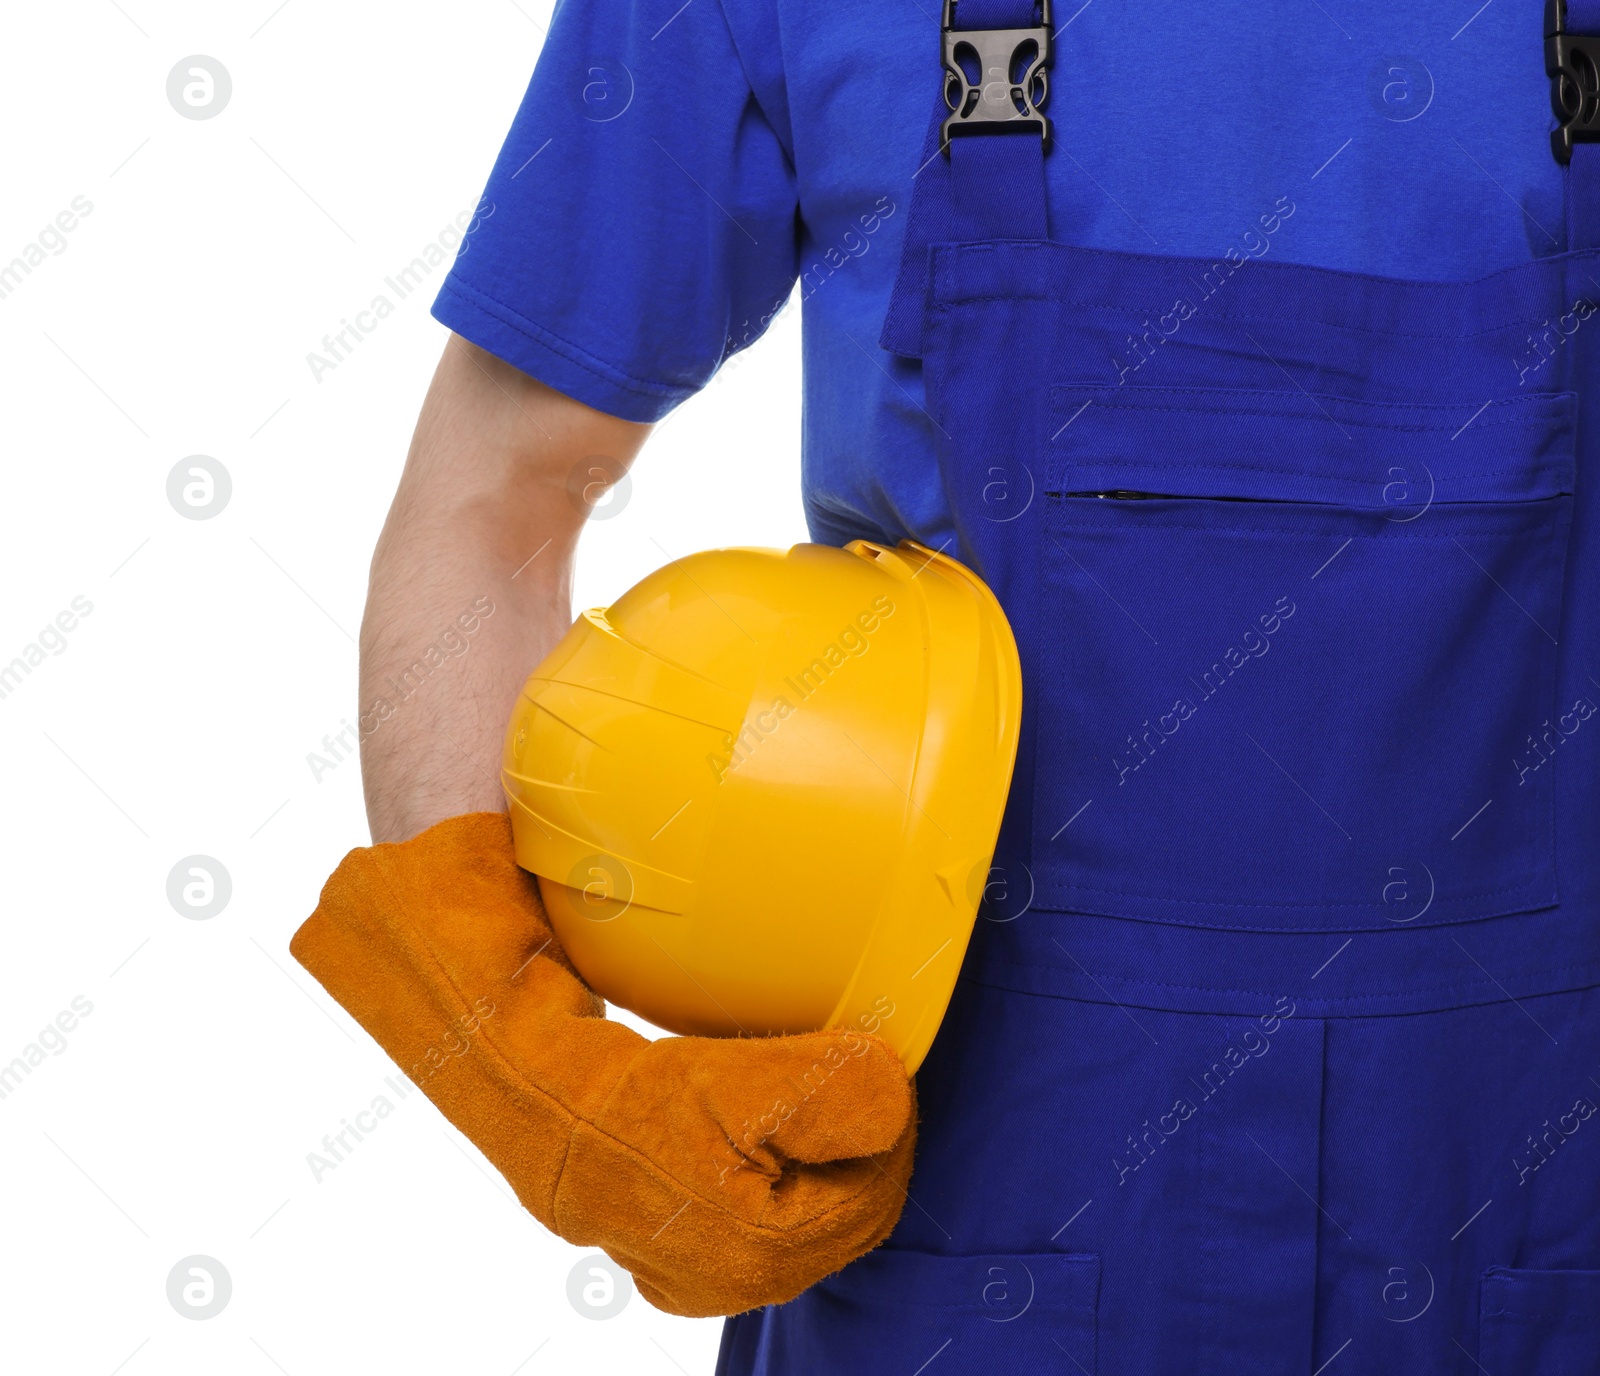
[[1277, 1049]]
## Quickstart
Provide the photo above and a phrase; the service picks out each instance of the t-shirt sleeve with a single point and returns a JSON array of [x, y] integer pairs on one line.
[[640, 223]]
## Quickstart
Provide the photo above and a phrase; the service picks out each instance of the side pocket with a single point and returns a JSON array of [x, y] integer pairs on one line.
[[1539, 1323], [901, 1310]]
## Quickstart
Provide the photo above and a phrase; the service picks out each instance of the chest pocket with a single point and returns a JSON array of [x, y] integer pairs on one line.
[[1301, 671]]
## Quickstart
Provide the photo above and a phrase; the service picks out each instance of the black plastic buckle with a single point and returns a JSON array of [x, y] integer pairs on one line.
[[1012, 82], [1572, 62]]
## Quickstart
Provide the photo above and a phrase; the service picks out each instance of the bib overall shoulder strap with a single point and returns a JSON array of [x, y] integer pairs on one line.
[[1572, 60], [981, 174]]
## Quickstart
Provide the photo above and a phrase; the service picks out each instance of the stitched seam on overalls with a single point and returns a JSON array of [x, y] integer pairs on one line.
[[1540, 400], [1522, 1314], [1081, 1310], [1510, 422], [1330, 903], [1378, 332], [1162, 466], [1409, 284], [1592, 967], [1384, 332], [1165, 526]]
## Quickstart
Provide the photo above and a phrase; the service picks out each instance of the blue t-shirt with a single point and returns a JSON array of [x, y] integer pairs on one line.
[[676, 167]]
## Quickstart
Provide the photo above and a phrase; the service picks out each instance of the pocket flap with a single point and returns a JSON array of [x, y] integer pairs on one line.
[[1300, 447]]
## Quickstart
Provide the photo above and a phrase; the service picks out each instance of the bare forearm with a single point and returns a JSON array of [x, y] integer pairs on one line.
[[470, 584]]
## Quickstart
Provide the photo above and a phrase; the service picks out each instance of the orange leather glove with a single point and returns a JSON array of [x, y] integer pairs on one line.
[[723, 1173]]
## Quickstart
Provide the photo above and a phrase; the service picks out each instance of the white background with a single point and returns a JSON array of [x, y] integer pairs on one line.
[[177, 719]]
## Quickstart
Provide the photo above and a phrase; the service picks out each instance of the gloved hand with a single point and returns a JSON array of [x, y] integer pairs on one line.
[[723, 1173]]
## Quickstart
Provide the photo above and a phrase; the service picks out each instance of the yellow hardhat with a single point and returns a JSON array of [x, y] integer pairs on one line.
[[761, 790]]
